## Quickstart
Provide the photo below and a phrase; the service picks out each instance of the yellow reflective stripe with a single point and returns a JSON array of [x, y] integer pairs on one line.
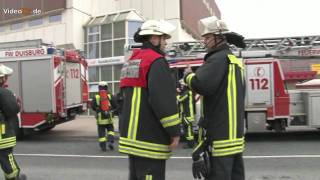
[[12, 162], [101, 121], [148, 177], [226, 143], [228, 151], [15, 170], [200, 135], [191, 106], [201, 106], [144, 145], [137, 114], [98, 99], [230, 111], [198, 146], [170, 120], [144, 153], [234, 60], [182, 98], [189, 135], [235, 117], [3, 128], [189, 79], [103, 139], [134, 116], [5, 140], [111, 133]]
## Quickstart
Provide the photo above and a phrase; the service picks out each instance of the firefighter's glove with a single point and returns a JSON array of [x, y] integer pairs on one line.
[[201, 163], [199, 169]]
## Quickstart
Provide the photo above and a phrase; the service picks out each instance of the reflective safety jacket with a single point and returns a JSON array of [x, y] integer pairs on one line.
[[185, 101], [149, 115], [103, 118], [220, 81], [9, 109]]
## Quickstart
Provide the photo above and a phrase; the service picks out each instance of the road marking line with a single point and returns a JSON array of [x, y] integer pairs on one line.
[[174, 157]]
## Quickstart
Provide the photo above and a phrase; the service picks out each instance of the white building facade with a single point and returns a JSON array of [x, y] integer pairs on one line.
[[100, 28]]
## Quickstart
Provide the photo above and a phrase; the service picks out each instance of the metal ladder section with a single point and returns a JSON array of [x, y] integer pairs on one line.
[[263, 47]]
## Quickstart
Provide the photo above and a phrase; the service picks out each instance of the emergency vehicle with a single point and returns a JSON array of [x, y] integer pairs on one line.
[[51, 84], [274, 69]]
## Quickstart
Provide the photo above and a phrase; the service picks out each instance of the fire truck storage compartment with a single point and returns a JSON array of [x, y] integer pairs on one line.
[[297, 108], [257, 121], [32, 80], [312, 102], [73, 84]]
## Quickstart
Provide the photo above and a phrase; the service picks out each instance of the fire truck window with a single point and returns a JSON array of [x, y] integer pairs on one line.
[[106, 73]]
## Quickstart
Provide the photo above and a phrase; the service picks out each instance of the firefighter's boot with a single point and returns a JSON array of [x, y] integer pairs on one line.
[[110, 141], [103, 146]]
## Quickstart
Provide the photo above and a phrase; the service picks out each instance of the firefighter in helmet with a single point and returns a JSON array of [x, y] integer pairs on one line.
[[150, 125], [9, 110], [186, 109], [104, 105], [220, 82]]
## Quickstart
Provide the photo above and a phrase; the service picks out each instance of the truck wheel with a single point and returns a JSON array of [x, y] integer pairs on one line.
[[48, 128], [278, 125]]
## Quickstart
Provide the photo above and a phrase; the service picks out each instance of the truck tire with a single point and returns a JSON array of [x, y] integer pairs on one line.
[[46, 129], [278, 125]]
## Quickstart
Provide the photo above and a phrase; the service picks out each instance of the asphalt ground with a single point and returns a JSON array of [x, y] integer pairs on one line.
[[70, 152]]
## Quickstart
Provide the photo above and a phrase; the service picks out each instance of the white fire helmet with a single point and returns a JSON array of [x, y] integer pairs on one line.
[[5, 71], [212, 25], [157, 27], [103, 83]]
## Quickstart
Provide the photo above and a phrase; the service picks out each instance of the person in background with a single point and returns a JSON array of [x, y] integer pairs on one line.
[[104, 105], [9, 110]]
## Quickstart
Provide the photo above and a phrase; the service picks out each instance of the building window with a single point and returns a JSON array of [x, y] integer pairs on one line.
[[117, 71], [119, 29], [94, 29], [106, 49], [93, 52], [119, 47], [133, 27], [106, 32], [36, 22], [55, 18], [94, 74], [106, 73], [94, 38], [2, 28], [16, 26]]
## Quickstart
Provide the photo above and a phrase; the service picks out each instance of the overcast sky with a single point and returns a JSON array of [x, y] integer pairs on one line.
[[271, 18]]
